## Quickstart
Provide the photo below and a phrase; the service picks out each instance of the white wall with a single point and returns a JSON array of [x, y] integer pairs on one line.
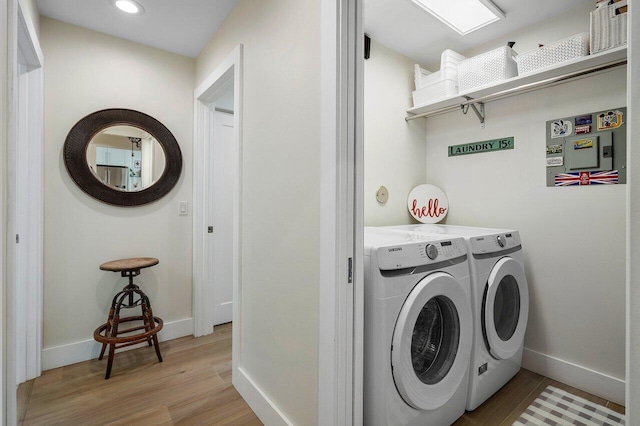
[[280, 195], [394, 149], [573, 238], [87, 71]]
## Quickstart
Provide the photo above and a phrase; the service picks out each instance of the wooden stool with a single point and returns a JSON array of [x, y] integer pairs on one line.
[[109, 333]]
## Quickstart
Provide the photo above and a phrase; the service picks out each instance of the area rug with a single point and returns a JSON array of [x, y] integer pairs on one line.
[[557, 407]]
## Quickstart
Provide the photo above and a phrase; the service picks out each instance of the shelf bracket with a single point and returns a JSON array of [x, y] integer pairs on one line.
[[479, 113]]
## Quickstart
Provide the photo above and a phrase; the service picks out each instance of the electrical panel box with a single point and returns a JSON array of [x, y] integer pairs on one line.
[[587, 149]]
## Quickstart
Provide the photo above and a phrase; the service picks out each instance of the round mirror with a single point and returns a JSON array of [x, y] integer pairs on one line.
[[122, 157]]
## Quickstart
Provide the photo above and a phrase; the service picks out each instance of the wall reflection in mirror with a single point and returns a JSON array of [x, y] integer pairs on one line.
[[125, 158]]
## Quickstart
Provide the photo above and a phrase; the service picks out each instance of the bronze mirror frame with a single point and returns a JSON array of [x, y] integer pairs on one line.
[[75, 156]]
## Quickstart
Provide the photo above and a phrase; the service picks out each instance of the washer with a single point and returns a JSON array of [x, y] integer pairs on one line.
[[500, 304], [417, 329]]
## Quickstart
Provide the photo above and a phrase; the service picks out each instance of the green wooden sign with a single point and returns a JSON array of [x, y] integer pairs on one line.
[[484, 146]]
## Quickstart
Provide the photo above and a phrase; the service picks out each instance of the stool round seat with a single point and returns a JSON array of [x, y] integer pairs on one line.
[[131, 264], [110, 334]]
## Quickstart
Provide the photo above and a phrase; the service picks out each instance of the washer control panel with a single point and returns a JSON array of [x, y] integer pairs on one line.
[[420, 253], [495, 242]]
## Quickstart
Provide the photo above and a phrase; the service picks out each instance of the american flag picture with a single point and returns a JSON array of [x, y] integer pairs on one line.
[[587, 178]]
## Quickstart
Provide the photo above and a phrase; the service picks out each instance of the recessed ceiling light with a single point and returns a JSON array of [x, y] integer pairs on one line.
[[129, 6], [464, 16]]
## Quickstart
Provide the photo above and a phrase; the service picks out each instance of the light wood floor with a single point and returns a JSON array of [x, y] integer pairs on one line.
[[193, 387]]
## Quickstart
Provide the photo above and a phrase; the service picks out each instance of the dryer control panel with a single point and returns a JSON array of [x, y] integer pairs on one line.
[[495, 242], [419, 253]]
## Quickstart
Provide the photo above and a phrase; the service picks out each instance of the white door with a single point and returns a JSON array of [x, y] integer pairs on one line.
[[432, 342], [506, 308], [224, 155]]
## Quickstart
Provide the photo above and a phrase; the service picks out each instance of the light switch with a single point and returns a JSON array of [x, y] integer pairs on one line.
[[182, 209]]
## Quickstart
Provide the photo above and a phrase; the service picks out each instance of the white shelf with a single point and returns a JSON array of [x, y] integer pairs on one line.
[[602, 59]]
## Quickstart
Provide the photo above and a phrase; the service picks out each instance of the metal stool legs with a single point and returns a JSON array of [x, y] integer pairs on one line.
[[110, 334]]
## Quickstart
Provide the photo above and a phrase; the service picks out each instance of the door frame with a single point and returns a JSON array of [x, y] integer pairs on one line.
[[229, 71], [341, 297], [25, 167], [632, 370]]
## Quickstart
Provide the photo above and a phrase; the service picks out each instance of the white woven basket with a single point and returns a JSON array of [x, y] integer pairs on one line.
[[608, 27], [559, 51], [486, 68]]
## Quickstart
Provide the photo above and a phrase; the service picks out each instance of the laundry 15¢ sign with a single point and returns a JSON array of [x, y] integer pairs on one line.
[[428, 203], [484, 146]]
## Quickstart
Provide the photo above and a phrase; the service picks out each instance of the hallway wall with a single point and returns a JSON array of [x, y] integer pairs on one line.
[[86, 71], [280, 180]]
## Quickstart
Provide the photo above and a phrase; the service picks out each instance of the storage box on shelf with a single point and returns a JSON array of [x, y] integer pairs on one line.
[[438, 90], [559, 51], [486, 68], [440, 84], [608, 26], [590, 63]]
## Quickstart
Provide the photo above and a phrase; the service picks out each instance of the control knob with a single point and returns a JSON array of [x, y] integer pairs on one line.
[[432, 251], [501, 241]]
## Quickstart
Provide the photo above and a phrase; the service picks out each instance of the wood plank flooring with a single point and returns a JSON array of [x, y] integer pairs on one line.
[[193, 387]]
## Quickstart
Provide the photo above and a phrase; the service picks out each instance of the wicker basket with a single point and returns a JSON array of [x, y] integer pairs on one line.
[[608, 26], [486, 68], [559, 51]]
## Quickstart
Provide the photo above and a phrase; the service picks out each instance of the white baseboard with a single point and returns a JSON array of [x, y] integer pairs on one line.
[[594, 382], [260, 403], [72, 353]]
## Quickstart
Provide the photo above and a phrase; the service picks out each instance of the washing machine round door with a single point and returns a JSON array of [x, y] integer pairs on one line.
[[505, 308], [432, 342]]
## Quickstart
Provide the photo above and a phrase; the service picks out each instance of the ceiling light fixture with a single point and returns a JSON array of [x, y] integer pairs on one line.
[[128, 6], [464, 16]]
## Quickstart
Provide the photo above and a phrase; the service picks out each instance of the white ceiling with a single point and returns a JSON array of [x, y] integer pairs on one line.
[[406, 28], [178, 26], [397, 24]]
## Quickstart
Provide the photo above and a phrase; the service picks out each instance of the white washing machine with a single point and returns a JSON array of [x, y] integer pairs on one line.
[[500, 304], [417, 330]]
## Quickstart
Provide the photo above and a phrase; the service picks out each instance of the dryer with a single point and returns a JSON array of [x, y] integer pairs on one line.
[[417, 329], [500, 304]]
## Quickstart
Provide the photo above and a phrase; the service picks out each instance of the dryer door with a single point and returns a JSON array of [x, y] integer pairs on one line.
[[431, 342], [505, 308]]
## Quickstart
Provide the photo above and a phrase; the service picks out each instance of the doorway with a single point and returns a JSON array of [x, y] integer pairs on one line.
[[24, 198], [222, 169], [216, 212]]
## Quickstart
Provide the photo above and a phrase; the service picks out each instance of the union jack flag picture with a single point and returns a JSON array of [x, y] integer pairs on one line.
[[587, 178]]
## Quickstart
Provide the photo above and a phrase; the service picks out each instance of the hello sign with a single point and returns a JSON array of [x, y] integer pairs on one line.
[[428, 204]]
